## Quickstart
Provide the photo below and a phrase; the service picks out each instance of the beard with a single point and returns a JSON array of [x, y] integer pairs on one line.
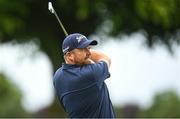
[[82, 61]]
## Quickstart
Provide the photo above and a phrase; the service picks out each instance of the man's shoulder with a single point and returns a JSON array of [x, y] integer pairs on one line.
[[57, 72]]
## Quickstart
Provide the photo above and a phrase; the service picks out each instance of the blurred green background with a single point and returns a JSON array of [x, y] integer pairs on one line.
[[23, 20]]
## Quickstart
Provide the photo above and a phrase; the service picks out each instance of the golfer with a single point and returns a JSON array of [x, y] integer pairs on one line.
[[79, 83]]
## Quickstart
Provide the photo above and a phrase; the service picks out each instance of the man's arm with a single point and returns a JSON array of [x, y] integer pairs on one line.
[[89, 61], [97, 56]]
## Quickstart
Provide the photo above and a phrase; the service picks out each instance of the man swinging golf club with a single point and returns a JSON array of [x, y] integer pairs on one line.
[[79, 83]]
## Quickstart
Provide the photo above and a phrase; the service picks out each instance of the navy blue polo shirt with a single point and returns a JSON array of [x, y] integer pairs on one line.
[[82, 90]]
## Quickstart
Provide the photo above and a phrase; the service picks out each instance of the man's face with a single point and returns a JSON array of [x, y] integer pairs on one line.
[[81, 55]]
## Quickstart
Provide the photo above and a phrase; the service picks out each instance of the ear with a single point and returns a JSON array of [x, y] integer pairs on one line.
[[70, 57]]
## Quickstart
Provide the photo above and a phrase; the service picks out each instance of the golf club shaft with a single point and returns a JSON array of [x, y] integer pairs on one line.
[[64, 30]]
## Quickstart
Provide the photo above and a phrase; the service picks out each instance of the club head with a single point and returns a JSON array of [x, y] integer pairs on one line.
[[50, 7]]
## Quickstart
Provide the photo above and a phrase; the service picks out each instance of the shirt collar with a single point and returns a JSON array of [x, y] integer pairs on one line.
[[69, 66]]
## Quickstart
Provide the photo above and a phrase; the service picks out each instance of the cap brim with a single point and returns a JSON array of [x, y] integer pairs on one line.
[[87, 43]]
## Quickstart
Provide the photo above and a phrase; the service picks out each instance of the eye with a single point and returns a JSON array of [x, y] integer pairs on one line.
[[88, 47]]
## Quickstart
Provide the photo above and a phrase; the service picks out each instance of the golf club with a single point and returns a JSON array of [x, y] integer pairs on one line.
[[51, 9]]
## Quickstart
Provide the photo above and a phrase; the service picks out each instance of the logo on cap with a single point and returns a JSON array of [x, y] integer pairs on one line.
[[65, 49], [79, 38]]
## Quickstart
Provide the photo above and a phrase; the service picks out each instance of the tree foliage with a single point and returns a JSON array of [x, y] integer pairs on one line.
[[23, 20], [166, 105], [10, 101], [26, 19]]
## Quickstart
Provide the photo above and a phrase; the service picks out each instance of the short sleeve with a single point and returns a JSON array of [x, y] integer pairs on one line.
[[100, 71]]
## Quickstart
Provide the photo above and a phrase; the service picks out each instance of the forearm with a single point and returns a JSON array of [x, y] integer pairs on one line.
[[97, 56], [89, 61]]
